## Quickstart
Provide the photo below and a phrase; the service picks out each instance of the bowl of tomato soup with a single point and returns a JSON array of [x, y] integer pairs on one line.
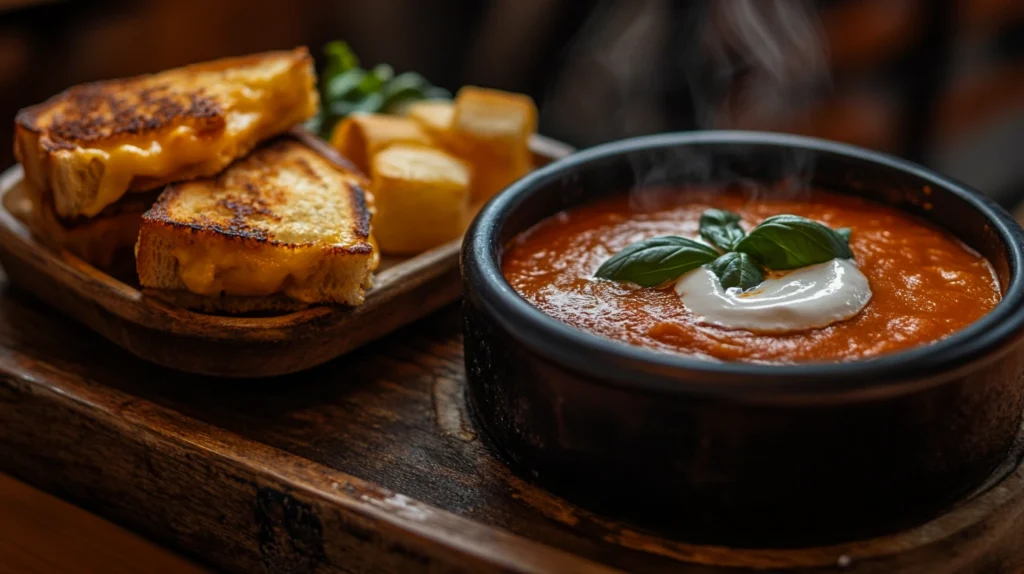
[[746, 338]]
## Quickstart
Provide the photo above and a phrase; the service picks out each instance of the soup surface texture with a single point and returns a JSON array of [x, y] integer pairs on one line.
[[925, 284]]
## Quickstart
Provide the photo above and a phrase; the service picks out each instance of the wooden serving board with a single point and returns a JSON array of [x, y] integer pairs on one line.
[[367, 463], [404, 290]]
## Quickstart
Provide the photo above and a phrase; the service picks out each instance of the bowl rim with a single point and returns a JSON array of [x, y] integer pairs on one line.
[[632, 367]]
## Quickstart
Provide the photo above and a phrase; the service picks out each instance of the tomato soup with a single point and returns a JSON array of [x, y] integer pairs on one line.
[[925, 284]]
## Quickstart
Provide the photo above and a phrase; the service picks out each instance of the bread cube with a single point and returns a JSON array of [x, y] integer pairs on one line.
[[360, 136], [491, 129], [435, 117], [422, 196]]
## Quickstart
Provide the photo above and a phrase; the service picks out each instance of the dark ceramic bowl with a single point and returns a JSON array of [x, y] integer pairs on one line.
[[743, 453]]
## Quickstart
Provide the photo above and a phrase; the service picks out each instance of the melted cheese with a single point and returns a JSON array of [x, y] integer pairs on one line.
[[224, 268], [181, 149]]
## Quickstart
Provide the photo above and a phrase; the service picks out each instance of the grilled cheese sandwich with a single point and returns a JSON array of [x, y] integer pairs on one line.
[[282, 228], [93, 143], [105, 241]]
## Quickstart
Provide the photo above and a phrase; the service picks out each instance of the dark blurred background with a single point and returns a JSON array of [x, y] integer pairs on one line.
[[936, 81]]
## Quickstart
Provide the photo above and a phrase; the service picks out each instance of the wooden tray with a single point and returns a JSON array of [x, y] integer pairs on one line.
[[403, 291], [367, 463]]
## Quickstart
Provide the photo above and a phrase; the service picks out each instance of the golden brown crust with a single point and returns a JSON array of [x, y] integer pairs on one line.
[[93, 143], [109, 110], [282, 223], [250, 200], [362, 199], [361, 213], [106, 112], [243, 235]]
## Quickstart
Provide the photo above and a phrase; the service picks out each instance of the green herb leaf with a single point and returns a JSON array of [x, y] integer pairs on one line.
[[340, 58], [345, 88], [384, 73], [789, 242], [844, 232], [737, 270], [407, 81], [371, 104], [654, 261], [436, 93], [371, 84], [403, 89], [343, 85], [409, 87], [721, 228]]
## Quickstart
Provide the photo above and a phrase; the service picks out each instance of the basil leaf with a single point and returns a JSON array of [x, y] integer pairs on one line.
[[370, 104], [844, 232], [383, 72], [340, 58], [406, 81], [721, 228], [737, 270], [789, 242], [371, 84], [397, 102], [437, 93], [345, 88], [343, 85], [654, 261]]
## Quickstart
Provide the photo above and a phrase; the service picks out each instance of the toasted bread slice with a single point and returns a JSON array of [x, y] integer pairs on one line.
[[93, 143], [106, 241], [281, 228]]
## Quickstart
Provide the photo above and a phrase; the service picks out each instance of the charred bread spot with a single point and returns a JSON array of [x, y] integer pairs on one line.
[[246, 200], [361, 221], [203, 227], [357, 249], [96, 112], [242, 229], [109, 109], [304, 166], [244, 207]]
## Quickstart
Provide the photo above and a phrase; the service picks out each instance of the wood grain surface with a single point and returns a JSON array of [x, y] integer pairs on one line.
[[41, 534], [367, 463]]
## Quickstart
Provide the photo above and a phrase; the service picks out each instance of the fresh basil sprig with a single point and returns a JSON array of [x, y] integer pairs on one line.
[[737, 270], [720, 228], [653, 261], [345, 89], [781, 242], [790, 242]]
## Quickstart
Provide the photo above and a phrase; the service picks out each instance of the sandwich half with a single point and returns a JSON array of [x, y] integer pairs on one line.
[[278, 230], [93, 143], [106, 241]]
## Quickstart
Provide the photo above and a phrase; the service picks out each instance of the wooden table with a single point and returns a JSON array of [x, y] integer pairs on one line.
[[41, 534], [368, 463]]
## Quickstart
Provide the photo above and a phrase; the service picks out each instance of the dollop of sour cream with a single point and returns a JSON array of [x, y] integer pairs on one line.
[[806, 298]]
